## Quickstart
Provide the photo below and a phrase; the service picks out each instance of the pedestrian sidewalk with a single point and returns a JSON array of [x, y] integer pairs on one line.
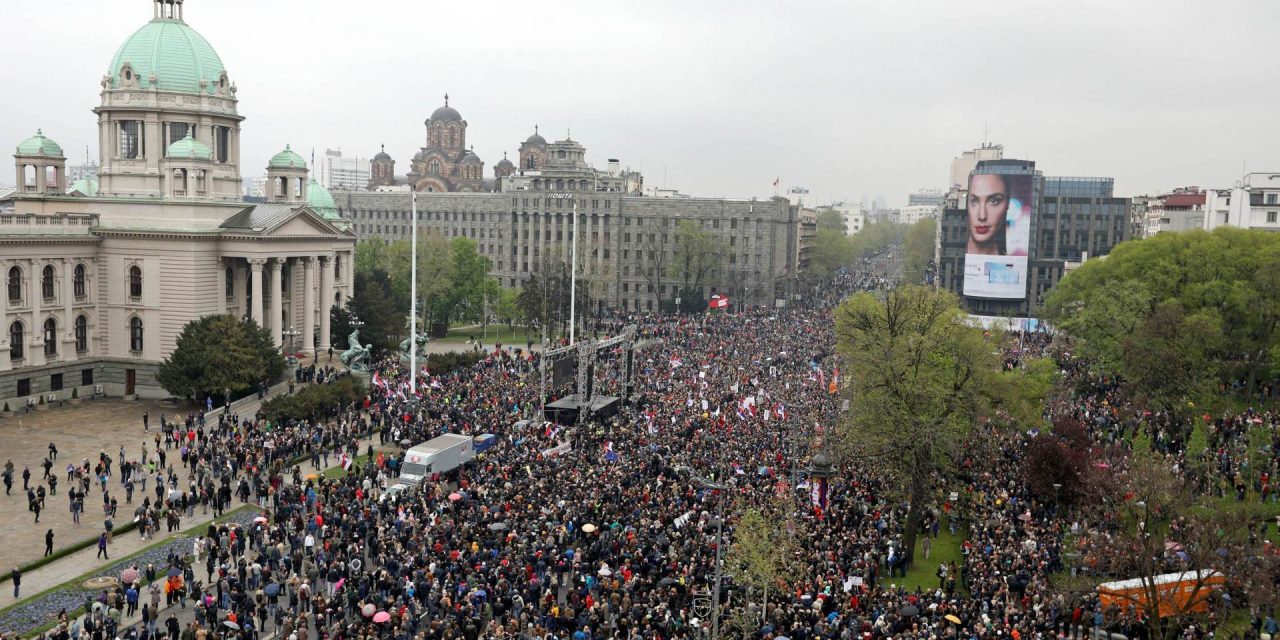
[[79, 563]]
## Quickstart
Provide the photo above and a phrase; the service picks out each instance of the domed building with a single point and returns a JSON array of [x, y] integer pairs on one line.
[[100, 277], [446, 163]]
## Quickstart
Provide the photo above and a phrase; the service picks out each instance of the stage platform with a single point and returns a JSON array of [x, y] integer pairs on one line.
[[567, 409]]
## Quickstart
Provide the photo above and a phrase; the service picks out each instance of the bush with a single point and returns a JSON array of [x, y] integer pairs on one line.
[[75, 392], [315, 401]]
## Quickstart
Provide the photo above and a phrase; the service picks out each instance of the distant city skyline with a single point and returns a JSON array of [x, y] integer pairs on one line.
[[847, 99]]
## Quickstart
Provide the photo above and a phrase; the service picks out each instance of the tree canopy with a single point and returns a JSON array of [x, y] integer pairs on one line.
[[918, 377], [917, 249], [220, 353], [697, 254], [453, 277], [1158, 306]]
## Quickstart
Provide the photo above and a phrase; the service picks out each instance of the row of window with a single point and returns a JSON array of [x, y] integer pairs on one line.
[[131, 138], [49, 282], [17, 336], [55, 382]]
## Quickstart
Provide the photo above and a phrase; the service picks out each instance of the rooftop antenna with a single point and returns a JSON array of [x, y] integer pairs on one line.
[[986, 133]]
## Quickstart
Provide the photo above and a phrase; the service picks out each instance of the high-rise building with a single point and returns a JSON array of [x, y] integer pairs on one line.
[[1014, 234], [963, 165], [338, 172]]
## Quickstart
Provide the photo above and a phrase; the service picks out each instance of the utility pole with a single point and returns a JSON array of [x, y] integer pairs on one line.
[[413, 296], [573, 276]]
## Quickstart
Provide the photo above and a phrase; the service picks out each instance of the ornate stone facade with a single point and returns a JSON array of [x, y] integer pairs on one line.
[[445, 163]]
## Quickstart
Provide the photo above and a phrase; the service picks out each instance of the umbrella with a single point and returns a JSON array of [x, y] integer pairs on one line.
[[272, 590], [260, 519], [951, 617], [368, 610], [455, 496], [909, 611], [605, 571], [230, 624], [406, 442], [588, 527], [381, 616], [129, 576], [173, 571], [666, 582], [499, 526]]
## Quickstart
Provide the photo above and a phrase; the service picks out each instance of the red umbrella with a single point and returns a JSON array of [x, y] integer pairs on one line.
[[381, 616], [129, 576], [455, 496]]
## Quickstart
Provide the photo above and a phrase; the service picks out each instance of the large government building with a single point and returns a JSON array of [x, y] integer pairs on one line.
[[101, 276], [521, 219]]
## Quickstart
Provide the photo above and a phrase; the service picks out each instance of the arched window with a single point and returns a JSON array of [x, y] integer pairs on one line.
[[82, 333], [560, 185], [15, 341], [231, 283], [50, 337], [15, 284], [135, 281], [530, 163], [135, 335], [77, 280], [46, 282], [434, 168]]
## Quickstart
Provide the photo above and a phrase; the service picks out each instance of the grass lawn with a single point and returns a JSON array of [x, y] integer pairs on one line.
[[946, 548], [496, 333]]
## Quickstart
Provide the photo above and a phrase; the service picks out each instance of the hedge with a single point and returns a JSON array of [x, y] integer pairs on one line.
[[315, 401]]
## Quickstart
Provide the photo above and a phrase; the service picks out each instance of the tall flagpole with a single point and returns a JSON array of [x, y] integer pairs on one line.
[[573, 276], [413, 297]]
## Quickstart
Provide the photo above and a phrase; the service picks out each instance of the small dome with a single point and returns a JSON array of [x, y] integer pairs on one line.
[[471, 158], [382, 155], [178, 56], [87, 187], [446, 114], [38, 145], [287, 159], [321, 201], [536, 139], [504, 163], [189, 148]]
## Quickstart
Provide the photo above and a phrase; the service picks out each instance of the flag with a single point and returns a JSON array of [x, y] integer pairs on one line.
[[609, 454], [377, 380], [718, 302], [345, 460], [676, 362], [781, 411], [776, 180]]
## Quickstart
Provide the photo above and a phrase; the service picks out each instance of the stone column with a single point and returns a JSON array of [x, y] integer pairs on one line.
[[35, 349], [309, 303], [326, 300], [255, 285], [5, 365], [351, 274], [222, 286], [277, 297], [68, 319]]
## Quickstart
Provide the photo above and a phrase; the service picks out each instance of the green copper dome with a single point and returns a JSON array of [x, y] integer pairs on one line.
[[321, 201], [287, 159], [38, 145], [87, 187], [178, 56], [190, 148]]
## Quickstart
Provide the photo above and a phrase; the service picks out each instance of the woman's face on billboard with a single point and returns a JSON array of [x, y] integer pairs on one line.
[[988, 208]]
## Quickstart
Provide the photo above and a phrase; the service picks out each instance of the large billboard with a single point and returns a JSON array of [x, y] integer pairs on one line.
[[999, 235]]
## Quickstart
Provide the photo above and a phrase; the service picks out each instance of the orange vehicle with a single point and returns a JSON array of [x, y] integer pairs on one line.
[[1185, 592]]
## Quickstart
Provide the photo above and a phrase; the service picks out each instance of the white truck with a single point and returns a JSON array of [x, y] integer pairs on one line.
[[437, 455]]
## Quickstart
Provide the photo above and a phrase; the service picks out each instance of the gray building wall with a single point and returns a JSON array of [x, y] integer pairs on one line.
[[1076, 218], [626, 241]]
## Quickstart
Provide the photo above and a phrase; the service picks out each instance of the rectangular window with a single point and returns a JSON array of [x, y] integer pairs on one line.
[[55, 382], [86, 377], [24, 386], [1271, 216], [1272, 198], [222, 143], [175, 131], [130, 139]]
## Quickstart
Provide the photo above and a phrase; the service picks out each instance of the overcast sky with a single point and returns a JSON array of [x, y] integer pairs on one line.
[[848, 98]]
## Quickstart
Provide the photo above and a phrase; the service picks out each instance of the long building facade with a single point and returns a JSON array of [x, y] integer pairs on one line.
[[626, 241]]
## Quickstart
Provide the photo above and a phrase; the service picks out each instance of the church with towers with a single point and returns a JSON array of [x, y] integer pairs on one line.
[[101, 276]]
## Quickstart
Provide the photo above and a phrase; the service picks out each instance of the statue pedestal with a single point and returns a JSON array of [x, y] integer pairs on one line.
[[363, 376]]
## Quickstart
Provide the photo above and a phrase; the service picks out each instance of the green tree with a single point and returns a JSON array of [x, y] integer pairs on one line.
[[219, 353], [1169, 357], [468, 283], [696, 255], [383, 325], [831, 251], [830, 220], [917, 249], [762, 556], [506, 307], [918, 377], [1230, 273]]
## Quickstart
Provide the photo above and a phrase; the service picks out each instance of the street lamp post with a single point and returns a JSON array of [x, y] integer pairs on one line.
[[719, 572], [292, 333], [413, 296]]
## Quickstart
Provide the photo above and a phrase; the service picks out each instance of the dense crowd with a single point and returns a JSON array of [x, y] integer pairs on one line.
[[606, 528]]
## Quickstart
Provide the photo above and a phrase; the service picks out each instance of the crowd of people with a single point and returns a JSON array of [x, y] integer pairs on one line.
[[605, 527]]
